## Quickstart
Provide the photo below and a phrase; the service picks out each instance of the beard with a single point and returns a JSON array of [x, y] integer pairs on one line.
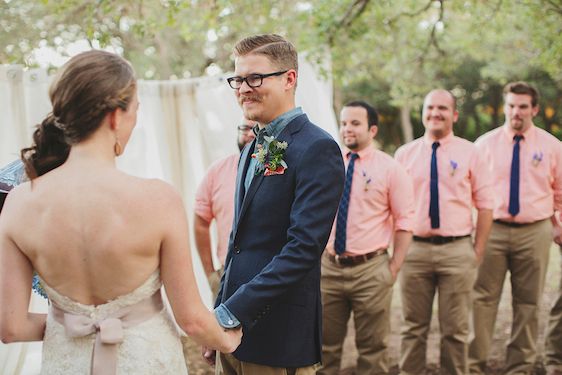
[[516, 124], [241, 146], [352, 145]]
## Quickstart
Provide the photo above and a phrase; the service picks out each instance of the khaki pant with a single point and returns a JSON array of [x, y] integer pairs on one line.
[[553, 345], [449, 269], [232, 366], [365, 289], [522, 251], [215, 281]]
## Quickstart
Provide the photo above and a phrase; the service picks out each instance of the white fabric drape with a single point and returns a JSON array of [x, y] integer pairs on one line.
[[182, 127]]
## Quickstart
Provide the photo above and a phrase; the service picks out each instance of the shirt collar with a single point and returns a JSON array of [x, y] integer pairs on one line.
[[428, 139], [509, 133], [363, 154], [275, 127]]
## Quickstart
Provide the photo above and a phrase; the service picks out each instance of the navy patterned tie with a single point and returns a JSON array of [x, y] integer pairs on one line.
[[341, 222], [514, 179], [434, 189]]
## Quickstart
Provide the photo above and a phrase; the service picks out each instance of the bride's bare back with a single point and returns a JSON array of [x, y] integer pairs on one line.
[[93, 233]]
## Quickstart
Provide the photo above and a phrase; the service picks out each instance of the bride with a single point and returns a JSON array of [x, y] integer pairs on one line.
[[101, 241]]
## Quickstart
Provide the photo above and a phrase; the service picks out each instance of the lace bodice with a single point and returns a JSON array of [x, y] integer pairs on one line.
[[151, 347], [151, 285]]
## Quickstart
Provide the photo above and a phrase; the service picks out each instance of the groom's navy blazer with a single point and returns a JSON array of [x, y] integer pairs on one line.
[[281, 226]]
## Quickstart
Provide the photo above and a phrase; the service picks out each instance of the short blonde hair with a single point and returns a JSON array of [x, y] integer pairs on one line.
[[277, 49]]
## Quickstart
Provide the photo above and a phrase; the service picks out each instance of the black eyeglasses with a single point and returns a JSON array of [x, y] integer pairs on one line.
[[245, 128], [253, 80]]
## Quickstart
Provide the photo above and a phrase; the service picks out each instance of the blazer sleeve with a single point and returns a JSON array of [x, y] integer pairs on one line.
[[319, 184]]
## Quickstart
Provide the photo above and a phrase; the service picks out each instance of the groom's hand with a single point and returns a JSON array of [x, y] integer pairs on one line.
[[209, 355]]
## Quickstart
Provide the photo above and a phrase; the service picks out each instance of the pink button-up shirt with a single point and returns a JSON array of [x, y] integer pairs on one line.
[[380, 202], [464, 182], [215, 199], [540, 172]]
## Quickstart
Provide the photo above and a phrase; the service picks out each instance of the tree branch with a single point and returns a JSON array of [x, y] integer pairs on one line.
[[554, 7], [433, 41], [410, 14], [349, 17]]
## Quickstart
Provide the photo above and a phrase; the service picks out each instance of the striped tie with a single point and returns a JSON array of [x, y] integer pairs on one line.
[[341, 223]]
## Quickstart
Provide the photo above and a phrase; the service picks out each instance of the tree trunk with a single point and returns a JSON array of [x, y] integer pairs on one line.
[[406, 123]]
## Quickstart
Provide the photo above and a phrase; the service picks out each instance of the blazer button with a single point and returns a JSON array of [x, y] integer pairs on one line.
[[237, 249]]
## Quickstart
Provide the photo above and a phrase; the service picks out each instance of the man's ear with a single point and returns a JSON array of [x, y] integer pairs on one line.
[[536, 110], [291, 79], [374, 130]]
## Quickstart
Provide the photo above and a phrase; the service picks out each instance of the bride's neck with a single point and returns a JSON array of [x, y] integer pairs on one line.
[[95, 150]]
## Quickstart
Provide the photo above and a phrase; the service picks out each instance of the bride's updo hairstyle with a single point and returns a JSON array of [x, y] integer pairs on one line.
[[88, 87]]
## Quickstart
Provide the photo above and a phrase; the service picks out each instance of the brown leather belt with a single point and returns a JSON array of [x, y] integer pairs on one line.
[[440, 240], [350, 261], [512, 224]]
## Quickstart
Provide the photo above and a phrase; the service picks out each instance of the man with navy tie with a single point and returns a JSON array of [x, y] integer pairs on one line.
[[376, 210], [526, 165], [450, 180]]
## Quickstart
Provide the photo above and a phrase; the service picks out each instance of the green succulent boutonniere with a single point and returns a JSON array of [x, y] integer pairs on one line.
[[270, 157]]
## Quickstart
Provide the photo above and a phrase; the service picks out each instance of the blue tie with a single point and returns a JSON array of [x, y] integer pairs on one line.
[[341, 223], [434, 189], [514, 179]]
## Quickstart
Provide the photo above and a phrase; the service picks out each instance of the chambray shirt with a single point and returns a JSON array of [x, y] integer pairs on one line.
[[225, 318], [273, 129]]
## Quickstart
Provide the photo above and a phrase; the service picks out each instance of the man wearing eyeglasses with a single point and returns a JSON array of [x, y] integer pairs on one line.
[[288, 187], [214, 200]]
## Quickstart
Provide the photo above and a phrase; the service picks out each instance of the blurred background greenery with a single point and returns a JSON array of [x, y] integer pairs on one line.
[[388, 52]]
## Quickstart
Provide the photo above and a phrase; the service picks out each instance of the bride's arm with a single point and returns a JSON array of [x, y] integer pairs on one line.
[[179, 280], [16, 273]]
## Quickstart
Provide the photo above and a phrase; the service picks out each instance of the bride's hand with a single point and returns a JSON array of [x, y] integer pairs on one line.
[[209, 355], [233, 339]]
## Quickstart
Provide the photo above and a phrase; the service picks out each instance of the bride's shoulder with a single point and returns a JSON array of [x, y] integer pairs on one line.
[[19, 197], [159, 192], [20, 193]]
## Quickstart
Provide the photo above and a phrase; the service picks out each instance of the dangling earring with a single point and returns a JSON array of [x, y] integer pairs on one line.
[[117, 148]]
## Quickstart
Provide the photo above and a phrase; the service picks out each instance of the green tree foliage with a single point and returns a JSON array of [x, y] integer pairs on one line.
[[388, 52]]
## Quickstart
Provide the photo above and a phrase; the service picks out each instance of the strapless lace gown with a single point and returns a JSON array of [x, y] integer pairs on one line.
[[150, 347]]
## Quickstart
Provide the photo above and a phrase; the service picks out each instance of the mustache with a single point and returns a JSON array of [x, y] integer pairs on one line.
[[254, 98]]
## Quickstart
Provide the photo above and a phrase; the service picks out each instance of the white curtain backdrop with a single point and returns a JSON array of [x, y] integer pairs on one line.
[[182, 127]]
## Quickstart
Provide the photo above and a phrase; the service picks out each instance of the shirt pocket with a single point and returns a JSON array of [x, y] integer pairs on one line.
[[538, 166]]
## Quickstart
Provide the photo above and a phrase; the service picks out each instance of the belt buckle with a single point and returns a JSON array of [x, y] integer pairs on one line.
[[337, 259]]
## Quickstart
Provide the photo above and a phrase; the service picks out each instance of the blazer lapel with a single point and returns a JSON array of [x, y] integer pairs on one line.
[[241, 177], [286, 135]]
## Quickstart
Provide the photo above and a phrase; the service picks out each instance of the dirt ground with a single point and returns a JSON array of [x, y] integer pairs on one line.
[[501, 335]]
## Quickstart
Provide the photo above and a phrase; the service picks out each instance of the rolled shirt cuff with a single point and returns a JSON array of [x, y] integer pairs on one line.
[[225, 318]]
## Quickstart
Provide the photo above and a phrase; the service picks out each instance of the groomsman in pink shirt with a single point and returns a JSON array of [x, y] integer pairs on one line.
[[526, 164], [376, 209], [214, 200], [553, 341], [450, 179]]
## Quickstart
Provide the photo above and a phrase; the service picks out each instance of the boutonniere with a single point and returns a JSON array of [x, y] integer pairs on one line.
[[537, 158], [367, 180], [454, 166], [270, 157]]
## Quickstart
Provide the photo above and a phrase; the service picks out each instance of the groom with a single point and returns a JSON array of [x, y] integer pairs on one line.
[[288, 188]]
